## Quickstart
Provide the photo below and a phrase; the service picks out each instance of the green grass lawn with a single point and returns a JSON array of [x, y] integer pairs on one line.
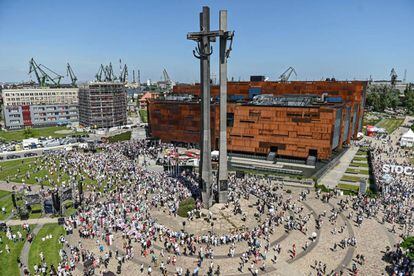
[[49, 247], [144, 115], [350, 178], [360, 159], [371, 121], [4, 193], [348, 187], [357, 171], [186, 206], [120, 137], [364, 165], [18, 135], [8, 262], [390, 124], [15, 171], [7, 203]]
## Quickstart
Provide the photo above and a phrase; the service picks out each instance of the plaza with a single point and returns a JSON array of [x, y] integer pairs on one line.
[[130, 212]]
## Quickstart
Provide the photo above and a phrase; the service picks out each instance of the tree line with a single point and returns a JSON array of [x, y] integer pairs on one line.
[[381, 97]]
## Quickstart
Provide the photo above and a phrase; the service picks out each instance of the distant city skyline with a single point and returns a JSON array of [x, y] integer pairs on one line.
[[320, 39]]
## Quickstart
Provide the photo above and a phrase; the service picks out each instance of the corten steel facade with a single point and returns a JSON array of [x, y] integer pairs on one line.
[[102, 105], [256, 129]]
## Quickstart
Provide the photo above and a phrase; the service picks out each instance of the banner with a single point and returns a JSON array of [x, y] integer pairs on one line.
[[397, 169]]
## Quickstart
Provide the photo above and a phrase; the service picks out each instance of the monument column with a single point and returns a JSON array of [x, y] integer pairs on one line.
[[222, 171]]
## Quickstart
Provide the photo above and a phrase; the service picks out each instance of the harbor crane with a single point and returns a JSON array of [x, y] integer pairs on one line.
[[393, 76], [286, 75], [105, 73], [124, 74], [71, 74], [166, 76], [101, 71], [109, 73], [43, 78]]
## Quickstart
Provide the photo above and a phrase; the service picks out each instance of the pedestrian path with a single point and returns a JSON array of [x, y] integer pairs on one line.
[[8, 186], [332, 178], [24, 255], [32, 221]]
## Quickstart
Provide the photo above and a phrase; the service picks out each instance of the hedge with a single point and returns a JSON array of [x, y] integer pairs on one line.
[[186, 206]]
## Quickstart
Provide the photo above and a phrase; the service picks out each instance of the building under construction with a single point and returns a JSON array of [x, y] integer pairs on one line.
[[297, 119], [102, 104]]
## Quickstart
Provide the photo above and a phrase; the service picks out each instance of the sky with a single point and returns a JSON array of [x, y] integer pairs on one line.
[[349, 39]]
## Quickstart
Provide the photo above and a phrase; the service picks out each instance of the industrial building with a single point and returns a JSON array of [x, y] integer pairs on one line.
[[298, 120], [102, 104], [39, 106]]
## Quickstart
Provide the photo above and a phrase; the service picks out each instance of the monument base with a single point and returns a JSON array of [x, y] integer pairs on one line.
[[207, 200], [222, 197]]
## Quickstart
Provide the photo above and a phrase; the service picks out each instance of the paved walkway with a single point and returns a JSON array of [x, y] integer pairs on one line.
[[332, 178], [9, 186], [24, 254], [346, 261], [313, 244], [32, 221]]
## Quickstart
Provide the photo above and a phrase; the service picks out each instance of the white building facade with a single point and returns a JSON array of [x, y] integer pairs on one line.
[[40, 106]]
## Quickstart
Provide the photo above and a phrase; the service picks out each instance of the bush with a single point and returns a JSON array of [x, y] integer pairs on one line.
[[323, 188], [408, 244], [186, 206], [288, 191], [28, 132]]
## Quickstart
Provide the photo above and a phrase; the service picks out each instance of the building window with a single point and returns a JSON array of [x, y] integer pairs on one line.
[[230, 119]]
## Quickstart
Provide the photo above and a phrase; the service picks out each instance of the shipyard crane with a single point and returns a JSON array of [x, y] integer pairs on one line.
[[393, 76], [56, 80], [101, 71], [139, 77], [286, 75], [124, 74], [42, 77], [71, 74], [109, 73], [34, 68], [166, 76]]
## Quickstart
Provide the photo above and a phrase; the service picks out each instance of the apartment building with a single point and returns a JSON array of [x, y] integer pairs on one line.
[[39, 106]]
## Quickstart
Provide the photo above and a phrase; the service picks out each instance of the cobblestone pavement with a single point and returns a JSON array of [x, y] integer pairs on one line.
[[372, 239]]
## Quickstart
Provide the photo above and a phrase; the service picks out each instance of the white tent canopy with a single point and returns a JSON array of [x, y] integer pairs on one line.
[[407, 139]]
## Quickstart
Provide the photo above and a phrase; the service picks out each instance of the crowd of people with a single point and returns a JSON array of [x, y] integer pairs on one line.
[[121, 192]]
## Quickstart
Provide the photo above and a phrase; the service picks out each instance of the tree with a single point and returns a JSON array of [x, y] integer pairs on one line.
[[409, 99], [381, 97], [28, 132]]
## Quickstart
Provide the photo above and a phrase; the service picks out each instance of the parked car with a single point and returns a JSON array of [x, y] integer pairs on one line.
[[28, 154], [13, 156]]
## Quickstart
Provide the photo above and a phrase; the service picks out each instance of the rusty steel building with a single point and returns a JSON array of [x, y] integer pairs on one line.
[[102, 105], [293, 119]]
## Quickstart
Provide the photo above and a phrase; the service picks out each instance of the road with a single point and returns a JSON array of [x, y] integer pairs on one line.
[[38, 151]]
